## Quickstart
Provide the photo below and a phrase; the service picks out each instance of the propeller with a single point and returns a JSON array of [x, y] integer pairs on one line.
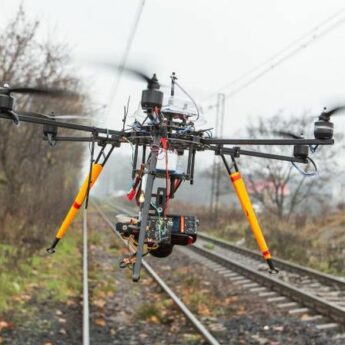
[[6, 89], [129, 70], [59, 116], [288, 134], [7, 101], [323, 127], [152, 82], [325, 115]]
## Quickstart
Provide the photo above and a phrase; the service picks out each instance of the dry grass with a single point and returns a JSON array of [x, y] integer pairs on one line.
[[316, 242]]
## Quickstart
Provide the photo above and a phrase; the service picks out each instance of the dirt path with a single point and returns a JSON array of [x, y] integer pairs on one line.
[[123, 312]]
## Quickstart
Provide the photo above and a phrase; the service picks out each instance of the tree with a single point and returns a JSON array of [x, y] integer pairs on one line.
[[36, 181], [277, 185]]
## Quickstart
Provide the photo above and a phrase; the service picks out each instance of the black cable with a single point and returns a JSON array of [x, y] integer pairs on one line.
[[107, 156], [227, 167], [126, 52], [14, 117], [305, 173]]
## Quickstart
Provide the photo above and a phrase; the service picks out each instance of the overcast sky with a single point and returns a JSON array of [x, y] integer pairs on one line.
[[208, 44]]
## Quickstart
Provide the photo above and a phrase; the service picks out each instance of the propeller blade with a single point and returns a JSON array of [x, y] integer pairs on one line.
[[336, 110], [135, 72], [288, 134], [63, 117], [129, 70], [72, 117], [39, 91], [33, 113]]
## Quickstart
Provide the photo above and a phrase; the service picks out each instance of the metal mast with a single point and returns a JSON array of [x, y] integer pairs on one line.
[[216, 173]]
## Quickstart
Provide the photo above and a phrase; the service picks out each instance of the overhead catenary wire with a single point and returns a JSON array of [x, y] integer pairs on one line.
[[287, 52], [126, 54], [283, 59]]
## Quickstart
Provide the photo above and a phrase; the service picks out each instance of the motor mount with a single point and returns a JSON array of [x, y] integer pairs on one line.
[[301, 151], [6, 102], [50, 133], [6, 105]]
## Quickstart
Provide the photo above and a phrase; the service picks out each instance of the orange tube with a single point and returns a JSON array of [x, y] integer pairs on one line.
[[248, 210], [182, 224], [79, 199]]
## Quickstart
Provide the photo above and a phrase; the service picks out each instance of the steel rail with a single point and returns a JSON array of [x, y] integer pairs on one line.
[[319, 304], [86, 309], [281, 264], [328, 279], [189, 315], [309, 300]]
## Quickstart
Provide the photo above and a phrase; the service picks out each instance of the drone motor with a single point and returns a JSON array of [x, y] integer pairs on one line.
[[323, 129], [152, 97], [6, 102]]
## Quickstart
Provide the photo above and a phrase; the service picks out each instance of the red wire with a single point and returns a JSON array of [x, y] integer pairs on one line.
[[167, 183], [164, 142], [177, 184]]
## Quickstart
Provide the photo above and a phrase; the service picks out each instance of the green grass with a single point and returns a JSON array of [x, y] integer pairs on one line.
[[95, 238], [209, 246], [192, 339], [148, 311], [57, 277]]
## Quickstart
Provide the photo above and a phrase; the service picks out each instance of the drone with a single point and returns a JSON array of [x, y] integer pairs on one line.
[[160, 141]]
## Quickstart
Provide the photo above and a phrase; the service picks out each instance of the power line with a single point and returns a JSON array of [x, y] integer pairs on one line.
[[126, 54], [301, 47], [285, 49], [215, 177]]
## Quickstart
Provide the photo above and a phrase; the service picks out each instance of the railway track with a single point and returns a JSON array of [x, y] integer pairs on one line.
[[199, 327], [86, 306], [300, 289], [303, 292]]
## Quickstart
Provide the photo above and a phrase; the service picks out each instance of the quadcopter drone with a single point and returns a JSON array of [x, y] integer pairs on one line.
[[160, 141]]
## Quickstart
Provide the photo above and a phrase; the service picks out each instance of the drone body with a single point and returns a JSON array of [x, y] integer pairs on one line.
[[166, 134]]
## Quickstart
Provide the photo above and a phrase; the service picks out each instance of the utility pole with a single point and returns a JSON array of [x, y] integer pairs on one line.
[[216, 168]]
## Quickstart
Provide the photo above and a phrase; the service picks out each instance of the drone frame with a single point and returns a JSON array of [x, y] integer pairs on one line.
[[157, 137]]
